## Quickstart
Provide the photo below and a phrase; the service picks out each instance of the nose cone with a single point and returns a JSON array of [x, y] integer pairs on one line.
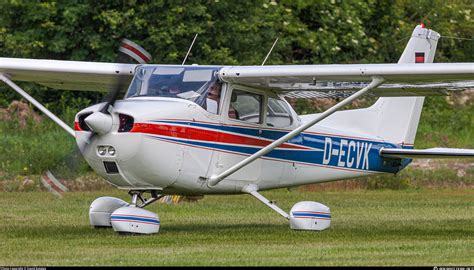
[[99, 122]]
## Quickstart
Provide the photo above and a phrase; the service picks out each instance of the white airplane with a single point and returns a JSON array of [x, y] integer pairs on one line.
[[195, 130]]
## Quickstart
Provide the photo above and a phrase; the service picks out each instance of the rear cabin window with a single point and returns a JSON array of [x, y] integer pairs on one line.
[[278, 113]]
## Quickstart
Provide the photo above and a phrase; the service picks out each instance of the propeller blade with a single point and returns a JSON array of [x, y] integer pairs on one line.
[[52, 184], [134, 51], [127, 50], [100, 122]]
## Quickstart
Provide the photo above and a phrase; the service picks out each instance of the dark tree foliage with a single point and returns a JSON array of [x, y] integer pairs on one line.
[[230, 32]]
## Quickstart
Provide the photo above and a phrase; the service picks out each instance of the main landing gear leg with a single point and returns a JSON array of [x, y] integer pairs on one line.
[[306, 215], [126, 218]]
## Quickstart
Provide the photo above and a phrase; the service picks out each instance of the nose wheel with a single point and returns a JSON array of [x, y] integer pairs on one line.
[[138, 195], [126, 218], [133, 219]]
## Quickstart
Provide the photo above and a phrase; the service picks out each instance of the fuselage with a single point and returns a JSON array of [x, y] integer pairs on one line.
[[175, 146]]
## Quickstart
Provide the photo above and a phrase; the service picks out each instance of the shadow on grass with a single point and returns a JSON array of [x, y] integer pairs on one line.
[[435, 230], [69, 231], [56, 231], [406, 231], [223, 228]]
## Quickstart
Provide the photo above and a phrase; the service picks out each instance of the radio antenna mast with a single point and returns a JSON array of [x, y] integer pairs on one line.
[[190, 47], [269, 52]]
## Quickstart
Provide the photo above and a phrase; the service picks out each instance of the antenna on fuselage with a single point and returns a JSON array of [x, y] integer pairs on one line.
[[269, 52], [190, 47]]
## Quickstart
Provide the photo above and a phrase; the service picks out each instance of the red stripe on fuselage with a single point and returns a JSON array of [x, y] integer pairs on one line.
[[267, 158], [184, 121], [193, 133]]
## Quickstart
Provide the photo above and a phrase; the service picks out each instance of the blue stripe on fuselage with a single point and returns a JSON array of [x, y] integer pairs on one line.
[[330, 150]]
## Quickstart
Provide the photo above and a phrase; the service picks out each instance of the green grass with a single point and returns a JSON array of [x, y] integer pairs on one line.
[[445, 125], [368, 228]]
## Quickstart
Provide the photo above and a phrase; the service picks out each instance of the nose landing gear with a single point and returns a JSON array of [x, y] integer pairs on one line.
[[126, 218]]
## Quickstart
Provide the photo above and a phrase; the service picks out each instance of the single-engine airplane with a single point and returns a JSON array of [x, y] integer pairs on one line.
[[195, 130]]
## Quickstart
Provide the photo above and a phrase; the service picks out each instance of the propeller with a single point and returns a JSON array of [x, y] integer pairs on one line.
[[99, 122]]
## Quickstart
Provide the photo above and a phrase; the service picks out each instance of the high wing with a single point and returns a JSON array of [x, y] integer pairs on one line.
[[427, 153], [343, 89], [297, 80], [331, 80], [67, 75]]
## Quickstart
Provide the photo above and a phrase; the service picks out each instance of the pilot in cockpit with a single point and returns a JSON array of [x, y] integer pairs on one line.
[[213, 97], [213, 100]]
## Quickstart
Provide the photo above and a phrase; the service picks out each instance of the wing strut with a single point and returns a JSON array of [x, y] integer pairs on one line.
[[215, 179], [37, 104], [253, 190]]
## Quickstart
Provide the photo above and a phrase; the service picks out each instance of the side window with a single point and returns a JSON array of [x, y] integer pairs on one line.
[[213, 98], [278, 113], [245, 106]]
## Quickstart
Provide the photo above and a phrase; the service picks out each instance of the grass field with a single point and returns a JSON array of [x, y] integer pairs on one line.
[[380, 227]]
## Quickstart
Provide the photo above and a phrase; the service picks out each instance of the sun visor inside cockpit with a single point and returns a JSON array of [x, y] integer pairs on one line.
[[168, 70], [200, 75]]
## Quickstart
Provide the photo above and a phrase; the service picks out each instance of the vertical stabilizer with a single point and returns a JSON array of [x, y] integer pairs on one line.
[[421, 47], [398, 117]]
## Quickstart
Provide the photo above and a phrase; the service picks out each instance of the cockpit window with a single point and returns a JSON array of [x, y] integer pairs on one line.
[[245, 106], [191, 83]]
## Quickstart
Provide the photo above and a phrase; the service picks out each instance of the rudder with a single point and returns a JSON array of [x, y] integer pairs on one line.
[[398, 117]]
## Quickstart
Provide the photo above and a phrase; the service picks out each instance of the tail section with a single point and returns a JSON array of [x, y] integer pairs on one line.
[[421, 47], [398, 117], [393, 119]]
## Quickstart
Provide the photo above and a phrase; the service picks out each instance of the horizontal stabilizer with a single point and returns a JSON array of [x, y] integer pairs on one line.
[[427, 153]]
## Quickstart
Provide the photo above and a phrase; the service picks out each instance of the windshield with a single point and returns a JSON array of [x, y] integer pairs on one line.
[[191, 83]]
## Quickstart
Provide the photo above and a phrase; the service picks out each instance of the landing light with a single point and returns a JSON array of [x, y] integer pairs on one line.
[[111, 151], [102, 150]]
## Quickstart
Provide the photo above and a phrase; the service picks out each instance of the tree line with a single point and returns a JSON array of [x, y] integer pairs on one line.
[[230, 32]]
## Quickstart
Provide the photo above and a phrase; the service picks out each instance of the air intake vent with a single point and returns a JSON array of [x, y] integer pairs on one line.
[[126, 123], [82, 123], [111, 167]]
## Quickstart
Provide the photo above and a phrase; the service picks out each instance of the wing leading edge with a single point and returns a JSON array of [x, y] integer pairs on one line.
[[67, 75], [94, 76], [399, 77]]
